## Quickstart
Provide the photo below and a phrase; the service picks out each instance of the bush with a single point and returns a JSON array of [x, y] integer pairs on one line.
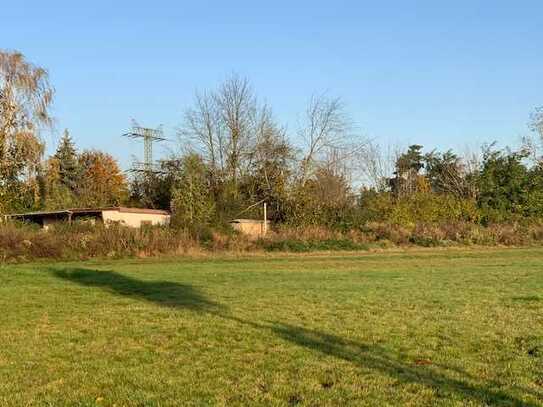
[[419, 207], [23, 242]]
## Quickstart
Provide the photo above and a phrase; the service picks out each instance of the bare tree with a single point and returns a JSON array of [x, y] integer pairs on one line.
[[376, 165], [324, 127], [533, 145], [223, 125], [203, 127], [450, 174], [536, 121], [237, 106], [271, 154], [330, 141]]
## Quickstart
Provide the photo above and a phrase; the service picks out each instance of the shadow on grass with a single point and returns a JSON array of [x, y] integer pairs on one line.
[[369, 357], [375, 358], [163, 293]]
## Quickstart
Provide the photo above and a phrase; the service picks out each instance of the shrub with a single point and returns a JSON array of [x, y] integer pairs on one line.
[[419, 207], [22, 242]]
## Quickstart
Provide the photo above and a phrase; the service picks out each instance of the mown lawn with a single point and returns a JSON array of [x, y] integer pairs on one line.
[[442, 327]]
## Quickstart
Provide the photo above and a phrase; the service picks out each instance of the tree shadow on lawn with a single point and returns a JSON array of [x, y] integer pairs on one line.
[[163, 293], [365, 356], [375, 358]]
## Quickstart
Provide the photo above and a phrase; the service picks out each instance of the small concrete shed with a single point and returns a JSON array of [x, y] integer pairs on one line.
[[253, 228]]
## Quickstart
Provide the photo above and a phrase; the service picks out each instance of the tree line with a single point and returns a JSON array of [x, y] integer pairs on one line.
[[233, 154]]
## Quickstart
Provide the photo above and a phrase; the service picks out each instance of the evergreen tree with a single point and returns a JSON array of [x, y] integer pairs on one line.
[[407, 179], [505, 188], [55, 195], [69, 168]]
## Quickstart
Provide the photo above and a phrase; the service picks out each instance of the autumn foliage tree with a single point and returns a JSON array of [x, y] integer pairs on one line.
[[102, 181]]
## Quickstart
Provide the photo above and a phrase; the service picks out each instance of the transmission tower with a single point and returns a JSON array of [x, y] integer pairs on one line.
[[149, 136]]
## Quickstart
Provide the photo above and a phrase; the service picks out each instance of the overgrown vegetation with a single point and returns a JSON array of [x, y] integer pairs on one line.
[[22, 243], [235, 156]]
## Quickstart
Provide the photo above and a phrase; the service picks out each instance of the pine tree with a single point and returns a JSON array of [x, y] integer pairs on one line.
[[67, 157]]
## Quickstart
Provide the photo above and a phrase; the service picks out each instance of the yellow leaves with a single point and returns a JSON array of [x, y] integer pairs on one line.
[[103, 183], [431, 208], [25, 91], [25, 97]]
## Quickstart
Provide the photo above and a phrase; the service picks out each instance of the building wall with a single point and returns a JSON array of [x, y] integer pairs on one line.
[[254, 229], [135, 219]]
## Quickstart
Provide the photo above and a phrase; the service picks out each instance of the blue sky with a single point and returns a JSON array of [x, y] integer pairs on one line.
[[442, 74]]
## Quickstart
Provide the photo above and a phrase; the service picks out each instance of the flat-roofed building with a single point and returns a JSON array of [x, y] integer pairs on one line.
[[133, 217]]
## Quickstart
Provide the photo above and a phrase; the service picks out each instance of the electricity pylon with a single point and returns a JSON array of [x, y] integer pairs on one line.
[[149, 136]]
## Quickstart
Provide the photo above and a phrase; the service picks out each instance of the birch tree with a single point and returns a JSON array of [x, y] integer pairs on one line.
[[25, 100]]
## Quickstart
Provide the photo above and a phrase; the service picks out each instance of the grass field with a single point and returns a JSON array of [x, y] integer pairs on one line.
[[427, 327]]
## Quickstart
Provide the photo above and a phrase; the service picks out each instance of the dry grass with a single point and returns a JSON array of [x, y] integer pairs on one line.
[[24, 242], [21, 243]]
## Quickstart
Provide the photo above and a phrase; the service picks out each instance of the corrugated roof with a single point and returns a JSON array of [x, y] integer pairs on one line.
[[121, 209], [40, 213]]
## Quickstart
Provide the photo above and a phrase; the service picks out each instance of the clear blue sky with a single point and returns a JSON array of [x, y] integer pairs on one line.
[[441, 74]]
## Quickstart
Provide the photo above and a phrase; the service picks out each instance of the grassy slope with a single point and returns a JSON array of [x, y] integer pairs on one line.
[[420, 328]]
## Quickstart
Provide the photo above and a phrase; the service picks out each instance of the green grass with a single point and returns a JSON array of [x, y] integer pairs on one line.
[[426, 327], [302, 246]]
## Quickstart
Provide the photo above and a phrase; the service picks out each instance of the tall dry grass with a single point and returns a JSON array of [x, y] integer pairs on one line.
[[22, 242]]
